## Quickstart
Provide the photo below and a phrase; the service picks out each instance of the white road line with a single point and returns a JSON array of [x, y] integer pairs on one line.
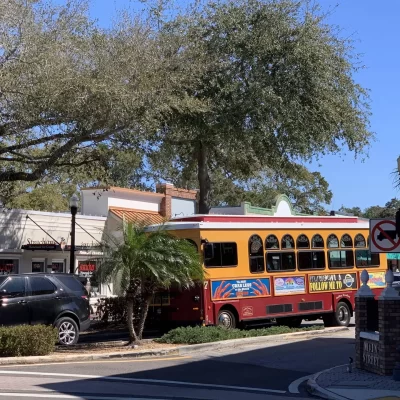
[[66, 396], [294, 386], [137, 380]]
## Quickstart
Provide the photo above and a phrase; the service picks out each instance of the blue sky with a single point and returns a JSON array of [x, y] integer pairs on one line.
[[374, 27]]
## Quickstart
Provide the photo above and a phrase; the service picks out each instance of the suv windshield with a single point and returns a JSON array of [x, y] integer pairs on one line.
[[73, 284]]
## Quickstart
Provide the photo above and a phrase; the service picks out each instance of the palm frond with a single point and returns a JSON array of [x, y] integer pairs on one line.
[[155, 257]]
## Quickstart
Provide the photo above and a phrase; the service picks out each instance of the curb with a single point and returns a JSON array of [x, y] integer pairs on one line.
[[315, 390], [173, 351], [223, 344]]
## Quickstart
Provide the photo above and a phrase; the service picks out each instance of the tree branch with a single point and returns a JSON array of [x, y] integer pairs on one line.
[[9, 176]]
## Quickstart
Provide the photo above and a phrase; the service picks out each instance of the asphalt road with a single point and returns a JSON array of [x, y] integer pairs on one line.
[[270, 371]]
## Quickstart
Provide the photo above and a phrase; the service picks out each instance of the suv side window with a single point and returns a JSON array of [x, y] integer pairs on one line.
[[72, 284], [14, 287], [41, 286]]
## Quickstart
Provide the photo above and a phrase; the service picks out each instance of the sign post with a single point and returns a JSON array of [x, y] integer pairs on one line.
[[383, 236]]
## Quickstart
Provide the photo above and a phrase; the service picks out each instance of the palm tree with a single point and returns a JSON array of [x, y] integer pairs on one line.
[[148, 260]]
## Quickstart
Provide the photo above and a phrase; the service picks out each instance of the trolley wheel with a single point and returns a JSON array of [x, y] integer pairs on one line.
[[341, 317], [226, 319]]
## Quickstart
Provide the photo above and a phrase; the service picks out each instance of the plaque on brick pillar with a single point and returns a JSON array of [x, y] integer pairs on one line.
[[366, 319], [378, 329]]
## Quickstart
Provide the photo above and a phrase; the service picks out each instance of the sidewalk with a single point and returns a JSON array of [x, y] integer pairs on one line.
[[337, 384]]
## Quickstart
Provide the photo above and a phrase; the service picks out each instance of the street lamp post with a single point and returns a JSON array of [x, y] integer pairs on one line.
[[73, 204]]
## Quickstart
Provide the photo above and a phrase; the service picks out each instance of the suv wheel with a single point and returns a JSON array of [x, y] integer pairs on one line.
[[68, 332]]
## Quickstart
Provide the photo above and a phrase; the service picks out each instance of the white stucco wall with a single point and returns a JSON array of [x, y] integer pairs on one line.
[[101, 201], [94, 204], [182, 207]]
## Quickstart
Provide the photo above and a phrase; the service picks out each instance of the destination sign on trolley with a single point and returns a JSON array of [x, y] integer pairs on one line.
[[383, 236]]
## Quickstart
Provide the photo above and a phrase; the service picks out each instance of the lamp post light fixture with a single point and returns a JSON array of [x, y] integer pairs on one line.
[[73, 204]]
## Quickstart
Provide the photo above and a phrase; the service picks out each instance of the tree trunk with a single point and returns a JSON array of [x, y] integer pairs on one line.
[[130, 297], [204, 179], [143, 315]]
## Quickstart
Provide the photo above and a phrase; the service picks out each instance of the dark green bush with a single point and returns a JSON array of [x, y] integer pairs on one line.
[[207, 334], [27, 340]]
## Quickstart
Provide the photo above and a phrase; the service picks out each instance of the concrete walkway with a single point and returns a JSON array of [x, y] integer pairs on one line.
[[338, 384]]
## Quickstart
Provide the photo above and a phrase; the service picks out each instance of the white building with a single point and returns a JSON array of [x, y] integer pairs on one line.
[[37, 241]]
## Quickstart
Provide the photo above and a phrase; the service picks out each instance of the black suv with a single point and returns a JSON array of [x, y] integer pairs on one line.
[[50, 299]]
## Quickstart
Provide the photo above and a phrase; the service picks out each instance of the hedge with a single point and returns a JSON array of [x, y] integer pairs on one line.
[[207, 334], [27, 340]]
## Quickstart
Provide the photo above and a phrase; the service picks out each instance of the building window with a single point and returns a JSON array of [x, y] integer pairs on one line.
[[56, 266], [256, 255], [220, 255], [341, 259], [271, 242], [364, 258], [303, 242], [310, 260], [287, 242], [333, 242], [346, 241], [317, 242], [8, 266], [359, 241], [285, 261], [41, 286], [38, 265]]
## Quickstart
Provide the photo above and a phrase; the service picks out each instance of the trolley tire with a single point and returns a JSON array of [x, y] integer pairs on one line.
[[226, 319], [290, 322], [341, 317]]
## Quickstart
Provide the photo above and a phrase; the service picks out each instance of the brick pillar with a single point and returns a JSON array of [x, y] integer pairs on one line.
[[377, 351], [169, 192], [364, 304], [389, 333], [361, 321]]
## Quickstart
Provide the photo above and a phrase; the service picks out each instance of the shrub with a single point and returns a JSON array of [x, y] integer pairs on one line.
[[27, 340], [207, 334]]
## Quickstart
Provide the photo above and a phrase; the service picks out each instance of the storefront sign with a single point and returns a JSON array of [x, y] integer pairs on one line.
[[42, 245], [289, 285], [332, 282], [50, 245], [86, 268], [376, 280], [232, 289], [370, 355]]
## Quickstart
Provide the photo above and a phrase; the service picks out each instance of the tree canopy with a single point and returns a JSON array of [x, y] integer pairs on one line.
[[387, 211], [231, 94], [67, 86], [278, 87]]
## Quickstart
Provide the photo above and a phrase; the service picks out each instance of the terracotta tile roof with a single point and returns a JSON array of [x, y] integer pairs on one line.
[[147, 217]]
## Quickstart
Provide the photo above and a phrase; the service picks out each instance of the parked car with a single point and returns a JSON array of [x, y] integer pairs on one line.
[[50, 299]]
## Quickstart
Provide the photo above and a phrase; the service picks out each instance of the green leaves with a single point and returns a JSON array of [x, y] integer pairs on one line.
[[154, 259], [279, 88]]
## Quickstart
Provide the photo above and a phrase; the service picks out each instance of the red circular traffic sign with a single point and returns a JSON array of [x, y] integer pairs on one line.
[[392, 241]]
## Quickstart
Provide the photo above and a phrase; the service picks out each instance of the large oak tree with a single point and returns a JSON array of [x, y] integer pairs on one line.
[[278, 88]]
